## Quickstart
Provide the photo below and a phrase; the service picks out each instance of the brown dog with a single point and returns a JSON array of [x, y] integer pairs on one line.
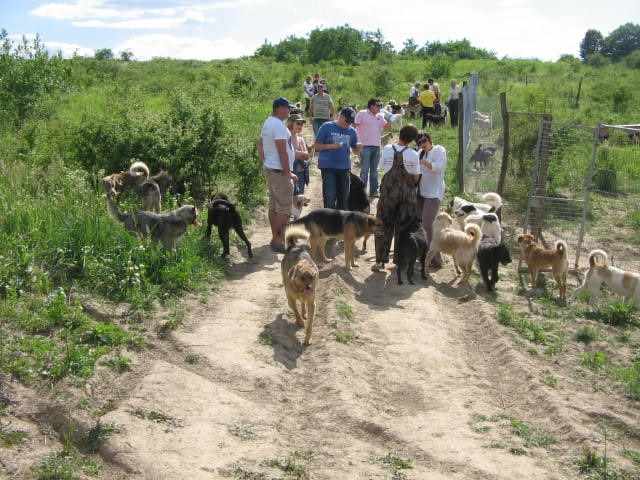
[[538, 258], [326, 223], [300, 278], [117, 183]]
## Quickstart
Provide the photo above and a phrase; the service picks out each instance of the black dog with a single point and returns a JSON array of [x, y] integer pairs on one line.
[[222, 213], [411, 245], [490, 255], [358, 200]]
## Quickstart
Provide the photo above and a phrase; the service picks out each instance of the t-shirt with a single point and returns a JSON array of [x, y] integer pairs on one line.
[[274, 129], [432, 181], [340, 159], [369, 127], [426, 98], [321, 106], [309, 89], [409, 155]]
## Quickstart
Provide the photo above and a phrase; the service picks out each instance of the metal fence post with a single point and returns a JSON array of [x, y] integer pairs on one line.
[[461, 143], [506, 144], [588, 182]]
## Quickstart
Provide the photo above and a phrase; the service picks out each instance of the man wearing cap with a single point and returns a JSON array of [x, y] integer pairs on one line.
[[322, 109], [275, 149], [335, 142], [369, 124]]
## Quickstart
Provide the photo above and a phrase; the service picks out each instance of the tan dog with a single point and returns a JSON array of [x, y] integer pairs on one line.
[[117, 183], [618, 281], [538, 258], [462, 246], [326, 223], [300, 278]]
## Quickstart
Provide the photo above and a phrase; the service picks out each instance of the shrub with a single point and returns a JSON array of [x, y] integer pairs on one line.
[[594, 360], [598, 60], [440, 67], [586, 335], [633, 59]]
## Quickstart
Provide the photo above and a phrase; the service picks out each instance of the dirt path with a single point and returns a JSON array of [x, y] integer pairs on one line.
[[237, 396]]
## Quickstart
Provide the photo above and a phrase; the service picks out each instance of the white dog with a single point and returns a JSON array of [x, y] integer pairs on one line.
[[489, 224], [619, 281], [462, 208]]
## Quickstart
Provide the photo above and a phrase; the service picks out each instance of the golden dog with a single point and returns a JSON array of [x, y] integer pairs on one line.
[[300, 278], [538, 258]]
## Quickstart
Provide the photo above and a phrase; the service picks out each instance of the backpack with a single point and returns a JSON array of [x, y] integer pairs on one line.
[[398, 193]]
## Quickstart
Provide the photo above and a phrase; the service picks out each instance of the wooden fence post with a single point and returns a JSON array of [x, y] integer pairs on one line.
[[461, 146], [506, 143]]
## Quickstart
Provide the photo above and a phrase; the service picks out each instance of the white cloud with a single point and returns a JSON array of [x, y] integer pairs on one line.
[[146, 47], [135, 24]]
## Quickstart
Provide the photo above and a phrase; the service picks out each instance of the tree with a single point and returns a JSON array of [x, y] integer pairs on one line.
[[622, 41], [591, 43], [266, 50], [409, 47], [339, 43], [126, 55], [104, 54], [375, 45]]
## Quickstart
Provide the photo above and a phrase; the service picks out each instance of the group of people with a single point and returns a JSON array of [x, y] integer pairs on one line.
[[285, 156], [430, 102]]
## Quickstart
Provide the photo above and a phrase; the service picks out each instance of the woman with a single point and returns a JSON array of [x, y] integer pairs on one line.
[[452, 102], [301, 162], [433, 165]]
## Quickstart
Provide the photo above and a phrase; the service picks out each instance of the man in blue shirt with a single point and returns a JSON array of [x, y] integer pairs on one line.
[[335, 142]]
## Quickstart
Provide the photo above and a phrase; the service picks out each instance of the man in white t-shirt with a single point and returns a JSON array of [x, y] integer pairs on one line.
[[276, 153], [433, 165]]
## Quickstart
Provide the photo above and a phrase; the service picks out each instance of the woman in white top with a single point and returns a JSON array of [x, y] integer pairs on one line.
[[433, 165]]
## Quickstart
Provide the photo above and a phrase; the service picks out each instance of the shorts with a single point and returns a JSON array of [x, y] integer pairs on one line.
[[280, 192]]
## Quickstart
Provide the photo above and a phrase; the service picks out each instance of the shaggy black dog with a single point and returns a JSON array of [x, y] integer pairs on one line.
[[411, 245], [222, 213], [490, 255], [358, 200]]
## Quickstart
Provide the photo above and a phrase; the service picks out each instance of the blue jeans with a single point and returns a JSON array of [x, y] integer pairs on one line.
[[335, 188], [370, 158], [317, 123]]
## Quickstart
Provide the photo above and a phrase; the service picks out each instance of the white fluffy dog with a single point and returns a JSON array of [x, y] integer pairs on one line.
[[619, 281], [462, 208], [462, 246], [489, 224]]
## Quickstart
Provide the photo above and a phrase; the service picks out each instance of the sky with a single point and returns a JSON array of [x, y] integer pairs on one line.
[[214, 29]]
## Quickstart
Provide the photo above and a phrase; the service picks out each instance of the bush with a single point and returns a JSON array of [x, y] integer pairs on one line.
[[440, 67], [598, 60], [633, 59]]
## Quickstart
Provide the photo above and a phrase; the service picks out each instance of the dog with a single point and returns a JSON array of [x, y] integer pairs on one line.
[[166, 228], [223, 214], [358, 201], [489, 225], [538, 258], [326, 223], [626, 284], [117, 183], [490, 255], [300, 278], [412, 244], [462, 208], [482, 155], [461, 245], [482, 120]]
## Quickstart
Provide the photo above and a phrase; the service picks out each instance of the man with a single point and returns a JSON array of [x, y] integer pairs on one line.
[[276, 152], [414, 93], [427, 99], [433, 165], [322, 109], [452, 102], [316, 81], [309, 91], [369, 125], [335, 142], [397, 205]]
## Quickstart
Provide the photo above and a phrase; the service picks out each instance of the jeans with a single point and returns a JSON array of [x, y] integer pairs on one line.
[[317, 123], [335, 188], [427, 115], [370, 157], [453, 112]]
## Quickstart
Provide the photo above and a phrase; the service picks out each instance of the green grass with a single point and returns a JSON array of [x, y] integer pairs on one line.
[[294, 465], [527, 328], [344, 310], [67, 464], [629, 376], [119, 363], [532, 436], [395, 463], [10, 437], [633, 455], [344, 337], [595, 361], [586, 335], [616, 313], [550, 380]]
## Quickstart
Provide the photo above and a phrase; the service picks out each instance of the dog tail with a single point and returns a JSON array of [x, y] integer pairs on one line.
[[473, 230], [293, 233], [493, 199], [595, 255], [139, 168], [561, 247]]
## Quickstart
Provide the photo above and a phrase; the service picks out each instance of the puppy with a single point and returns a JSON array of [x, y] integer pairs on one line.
[[300, 278], [326, 223], [538, 258], [462, 246], [490, 255], [358, 200], [166, 228], [411, 245], [223, 214], [626, 284]]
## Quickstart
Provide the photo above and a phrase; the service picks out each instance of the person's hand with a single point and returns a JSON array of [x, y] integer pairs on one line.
[[293, 176]]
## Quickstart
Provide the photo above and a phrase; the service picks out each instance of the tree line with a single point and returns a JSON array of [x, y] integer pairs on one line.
[[621, 43], [350, 46]]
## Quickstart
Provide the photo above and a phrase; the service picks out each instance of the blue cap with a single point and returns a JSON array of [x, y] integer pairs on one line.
[[349, 114], [281, 102]]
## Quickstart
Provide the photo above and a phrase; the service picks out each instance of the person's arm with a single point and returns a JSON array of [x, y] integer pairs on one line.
[[322, 137], [385, 124], [356, 146], [281, 147], [311, 106]]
